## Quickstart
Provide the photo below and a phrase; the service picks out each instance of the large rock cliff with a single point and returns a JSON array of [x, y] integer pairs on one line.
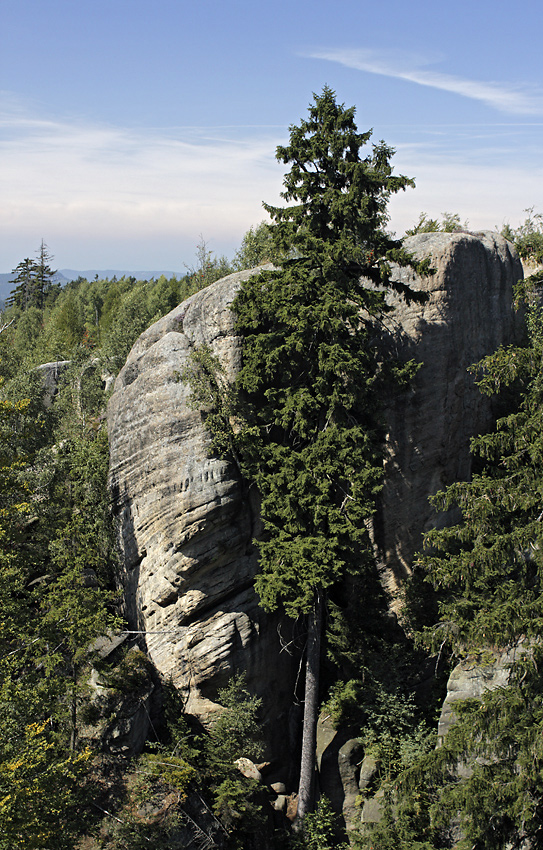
[[185, 525], [186, 528], [469, 314]]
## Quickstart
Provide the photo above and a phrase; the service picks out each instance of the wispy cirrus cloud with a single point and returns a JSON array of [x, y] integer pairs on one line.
[[505, 97], [81, 179]]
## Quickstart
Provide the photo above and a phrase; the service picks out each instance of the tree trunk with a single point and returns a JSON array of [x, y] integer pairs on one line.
[[311, 711]]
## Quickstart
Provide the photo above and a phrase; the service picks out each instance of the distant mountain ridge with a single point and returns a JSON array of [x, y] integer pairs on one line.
[[63, 276]]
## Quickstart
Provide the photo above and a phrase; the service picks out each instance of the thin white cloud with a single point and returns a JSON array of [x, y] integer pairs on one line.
[[508, 98], [80, 178], [486, 195]]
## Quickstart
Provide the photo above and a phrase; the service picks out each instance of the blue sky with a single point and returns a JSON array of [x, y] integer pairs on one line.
[[129, 128]]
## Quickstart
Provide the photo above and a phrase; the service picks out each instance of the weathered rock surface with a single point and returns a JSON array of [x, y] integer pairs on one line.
[[339, 757], [248, 769], [186, 528], [469, 314], [471, 678], [185, 523], [120, 718], [51, 373]]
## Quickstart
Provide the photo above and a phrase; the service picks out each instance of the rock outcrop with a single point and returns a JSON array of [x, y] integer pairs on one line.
[[469, 314], [186, 524], [339, 760], [51, 373], [186, 527], [472, 677]]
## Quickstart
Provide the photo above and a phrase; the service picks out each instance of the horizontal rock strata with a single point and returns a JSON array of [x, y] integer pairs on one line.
[[185, 527]]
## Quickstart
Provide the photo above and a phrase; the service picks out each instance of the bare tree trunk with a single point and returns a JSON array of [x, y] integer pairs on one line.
[[73, 710], [311, 711]]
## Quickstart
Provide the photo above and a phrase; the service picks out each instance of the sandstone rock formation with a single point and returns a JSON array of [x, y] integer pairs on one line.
[[186, 528], [185, 524], [51, 373], [472, 677], [339, 760], [469, 314]]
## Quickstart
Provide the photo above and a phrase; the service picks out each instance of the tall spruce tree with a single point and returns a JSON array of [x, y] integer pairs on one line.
[[23, 285], [488, 569], [44, 274], [312, 377], [33, 281]]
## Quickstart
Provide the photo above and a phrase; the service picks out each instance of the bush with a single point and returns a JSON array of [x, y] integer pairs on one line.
[[528, 237]]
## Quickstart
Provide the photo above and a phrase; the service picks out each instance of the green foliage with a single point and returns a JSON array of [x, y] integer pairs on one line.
[[57, 551], [173, 772], [400, 829], [237, 805], [207, 268], [236, 731], [65, 326], [497, 802], [22, 293], [20, 340], [87, 319], [527, 237], [130, 674], [33, 282], [256, 248], [181, 739], [450, 223], [394, 735], [393, 728], [312, 441], [320, 831], [303, 422], [152, 814], [39, 792], [488, 568], [218, 401], [54, 530]]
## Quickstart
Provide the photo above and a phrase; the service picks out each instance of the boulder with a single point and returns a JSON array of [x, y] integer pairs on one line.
[[50, 375], [280, 803], [472, 677], [368, 769], [122, 699], [373, 809], [279, 787], [339, 757], [248, 769]]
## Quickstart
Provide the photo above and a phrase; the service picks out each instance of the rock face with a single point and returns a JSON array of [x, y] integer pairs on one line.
[[339, 760], [471, 678], [468, 315], [185, 524], [186, 528], [51, 373]]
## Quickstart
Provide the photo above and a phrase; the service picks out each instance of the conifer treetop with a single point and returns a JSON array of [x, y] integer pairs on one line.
[[339, 213]]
